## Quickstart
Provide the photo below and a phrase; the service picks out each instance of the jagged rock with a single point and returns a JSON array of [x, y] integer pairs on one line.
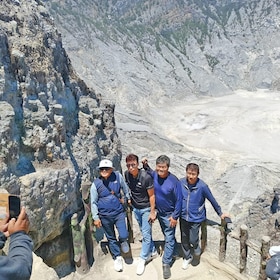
[[54, 129]]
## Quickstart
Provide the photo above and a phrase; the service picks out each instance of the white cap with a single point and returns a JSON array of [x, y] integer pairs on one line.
[[274, 250], [105, 163]]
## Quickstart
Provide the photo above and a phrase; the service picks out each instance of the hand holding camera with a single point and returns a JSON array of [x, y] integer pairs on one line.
[[19, 224]]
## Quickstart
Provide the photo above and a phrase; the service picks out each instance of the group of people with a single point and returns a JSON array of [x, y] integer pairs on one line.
[[152, 194]]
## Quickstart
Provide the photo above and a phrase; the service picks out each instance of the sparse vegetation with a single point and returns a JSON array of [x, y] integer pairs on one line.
[[212, 61]]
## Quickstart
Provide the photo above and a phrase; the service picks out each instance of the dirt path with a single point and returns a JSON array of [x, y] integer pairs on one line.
[[209, 268]]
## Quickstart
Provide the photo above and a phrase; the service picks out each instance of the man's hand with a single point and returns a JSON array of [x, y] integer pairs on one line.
[[4, 226], [144, 162], [225, 215], [173, 222], [97, 223], [152, 216], [19, 224]]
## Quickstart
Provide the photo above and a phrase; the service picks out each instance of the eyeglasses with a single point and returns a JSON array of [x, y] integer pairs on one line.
[[133, 165], [104, 168]]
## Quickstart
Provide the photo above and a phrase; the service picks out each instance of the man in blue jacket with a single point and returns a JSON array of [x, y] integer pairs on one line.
[[168, 195], [107, 209], [195, 192], [18, 263]]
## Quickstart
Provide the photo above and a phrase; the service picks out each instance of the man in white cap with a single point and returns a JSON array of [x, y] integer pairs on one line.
[[107, 195], [273, 264]]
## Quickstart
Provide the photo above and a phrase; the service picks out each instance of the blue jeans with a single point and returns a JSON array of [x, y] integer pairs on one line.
[[142, 217], [169, 238], [109, 223]]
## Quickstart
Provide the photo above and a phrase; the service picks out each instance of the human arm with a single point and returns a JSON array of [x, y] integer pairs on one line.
[[94, 208], [216, 206], [18, 263], [152, 200], [146, 166], [208, 194], [178, 197]]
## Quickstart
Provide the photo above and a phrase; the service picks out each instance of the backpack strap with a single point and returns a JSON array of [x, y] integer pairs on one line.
[[126, 175]]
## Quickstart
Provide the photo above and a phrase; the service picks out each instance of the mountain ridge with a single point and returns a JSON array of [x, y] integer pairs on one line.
[[216, 47]]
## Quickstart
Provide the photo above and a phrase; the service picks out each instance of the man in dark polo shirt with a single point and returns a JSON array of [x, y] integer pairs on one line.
[[142, 194]]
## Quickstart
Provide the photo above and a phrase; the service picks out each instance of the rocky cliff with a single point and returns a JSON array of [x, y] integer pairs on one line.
[[176, 49], [53, 128]]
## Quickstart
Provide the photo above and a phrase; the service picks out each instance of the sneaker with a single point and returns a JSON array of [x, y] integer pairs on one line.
[[140, 267], [186, 263], [166, 271], [125, 247], [118, 265]]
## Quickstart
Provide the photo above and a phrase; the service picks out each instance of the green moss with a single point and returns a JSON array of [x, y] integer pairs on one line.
[[212, 61]]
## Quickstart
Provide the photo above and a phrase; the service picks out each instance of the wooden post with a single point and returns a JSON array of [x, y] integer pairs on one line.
[[130, 224], [203, 235], [264, 253], [243, 248], [80, 253], [223, 241], [88, 222]]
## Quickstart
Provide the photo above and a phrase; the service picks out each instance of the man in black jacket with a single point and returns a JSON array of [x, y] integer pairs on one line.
[[141, 188]]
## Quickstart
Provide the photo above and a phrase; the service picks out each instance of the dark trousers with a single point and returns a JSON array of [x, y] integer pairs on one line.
[[189, 237]]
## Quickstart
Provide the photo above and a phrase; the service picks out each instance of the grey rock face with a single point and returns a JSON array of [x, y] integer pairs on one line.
[[53, 128]]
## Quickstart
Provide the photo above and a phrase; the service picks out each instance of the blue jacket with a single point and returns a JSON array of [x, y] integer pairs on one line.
[[103, 202], [168, 196], [18, 263], [193, 207]]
